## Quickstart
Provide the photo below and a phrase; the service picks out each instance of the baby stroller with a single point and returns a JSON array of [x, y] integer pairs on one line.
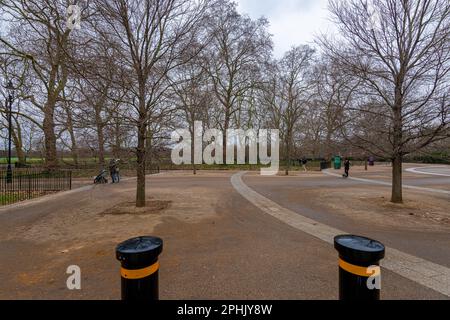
[[101, 178]]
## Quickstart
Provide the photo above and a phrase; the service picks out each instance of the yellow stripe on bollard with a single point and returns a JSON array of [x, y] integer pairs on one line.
[[358, 270], [139, 273]]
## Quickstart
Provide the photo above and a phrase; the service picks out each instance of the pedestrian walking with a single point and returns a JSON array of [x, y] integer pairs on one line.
[[113, 170], [304, 162], [346, 168]]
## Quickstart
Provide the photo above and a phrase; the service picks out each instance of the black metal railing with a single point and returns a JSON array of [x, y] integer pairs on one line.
[[29, 183]]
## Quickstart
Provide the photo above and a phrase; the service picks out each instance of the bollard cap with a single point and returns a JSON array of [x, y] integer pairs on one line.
[[357, 249], [139, 252]]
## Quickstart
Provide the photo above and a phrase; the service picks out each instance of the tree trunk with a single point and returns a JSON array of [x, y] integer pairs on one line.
[[141, 148], [148, 149], [51, 161], [101, 144], [288, 156], [100, 135], [396, 195], [329, 147], [19, 151], [140, 168], [74, 152], [117, 141], [224, 138], [18, 145], [194, 169], [73, 140]]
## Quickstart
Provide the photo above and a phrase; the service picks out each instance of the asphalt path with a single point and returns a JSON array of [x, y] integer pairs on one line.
[[433, 246], [443, 171]]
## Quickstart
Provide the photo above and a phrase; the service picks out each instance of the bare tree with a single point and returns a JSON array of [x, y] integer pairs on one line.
[[150, 38], [13, 69], [288, 94], [66, 122], [399, 52], [39, 35], [239, 47], [191, 97], [333, 93]]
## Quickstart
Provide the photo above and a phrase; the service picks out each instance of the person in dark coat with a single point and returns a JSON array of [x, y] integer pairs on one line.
[[113, 170], [346, 167], [304, 162]]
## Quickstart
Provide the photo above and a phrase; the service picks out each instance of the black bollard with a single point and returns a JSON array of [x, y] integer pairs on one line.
[[359, 267], [139, 271]]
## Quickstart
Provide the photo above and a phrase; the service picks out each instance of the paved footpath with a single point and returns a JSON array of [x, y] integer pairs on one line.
[[217, 244], [427, 273]]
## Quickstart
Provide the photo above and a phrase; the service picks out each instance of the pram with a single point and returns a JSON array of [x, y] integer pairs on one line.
[[101, 178]]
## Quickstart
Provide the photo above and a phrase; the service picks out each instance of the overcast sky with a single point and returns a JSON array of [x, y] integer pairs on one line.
[[292, 22]]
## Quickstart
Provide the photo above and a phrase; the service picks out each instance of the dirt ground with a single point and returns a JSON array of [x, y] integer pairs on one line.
[[85, 229], [419, 210]]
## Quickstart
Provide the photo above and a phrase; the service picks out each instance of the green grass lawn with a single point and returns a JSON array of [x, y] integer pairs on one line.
[[4, 160], [6, 198]]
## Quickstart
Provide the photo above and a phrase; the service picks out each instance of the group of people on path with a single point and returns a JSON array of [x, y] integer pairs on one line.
[[303, 161], [115, 177]]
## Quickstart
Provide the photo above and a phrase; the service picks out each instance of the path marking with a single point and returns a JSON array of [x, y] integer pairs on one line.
[[383, 183], [416, 170], [426, 273]]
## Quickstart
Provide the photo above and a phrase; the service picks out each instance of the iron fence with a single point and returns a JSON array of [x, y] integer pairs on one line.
[[29, 183]]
